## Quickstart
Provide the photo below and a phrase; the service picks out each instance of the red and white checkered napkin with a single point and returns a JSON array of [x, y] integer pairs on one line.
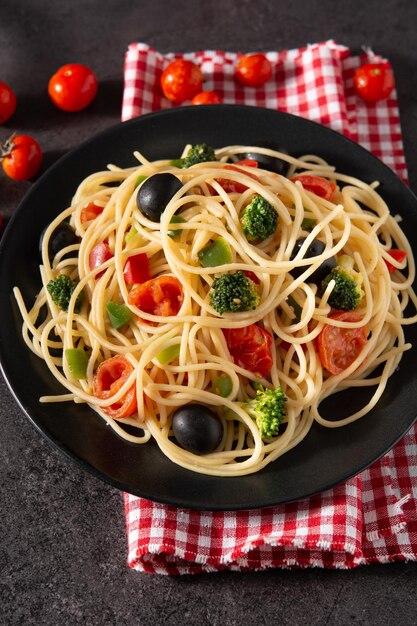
[[370, 518]]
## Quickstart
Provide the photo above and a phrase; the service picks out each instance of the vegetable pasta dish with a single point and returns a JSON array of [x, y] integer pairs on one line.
[[212, 302]]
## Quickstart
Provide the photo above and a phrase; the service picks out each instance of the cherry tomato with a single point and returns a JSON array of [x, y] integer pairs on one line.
[[250, 348], [206, 97], [374, 81], [159, 296], [21, 157], [99, 255], [181, 80], [136, 269], [253, 70], [398, 255], [231, 185], [339, 347], [90, 212], [73, 87], [7, 102], [317, 184], [108, 379]]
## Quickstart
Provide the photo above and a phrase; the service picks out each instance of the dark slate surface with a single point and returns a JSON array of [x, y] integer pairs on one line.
[[62, 545]]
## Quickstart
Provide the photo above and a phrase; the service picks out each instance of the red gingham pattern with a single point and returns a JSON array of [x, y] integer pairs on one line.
[[371, 518]]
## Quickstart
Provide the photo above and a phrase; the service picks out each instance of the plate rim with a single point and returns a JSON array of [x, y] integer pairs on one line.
[[176, 501]]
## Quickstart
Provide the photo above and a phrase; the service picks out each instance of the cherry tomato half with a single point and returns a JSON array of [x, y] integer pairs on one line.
[[73, 87], [7, 102], [374, 81], [253, 70], [316, 184], [21, 157], [339, 347], [108, 379], [159, 296], [250, 348], [181, 80], [206, 97], [231, 185]]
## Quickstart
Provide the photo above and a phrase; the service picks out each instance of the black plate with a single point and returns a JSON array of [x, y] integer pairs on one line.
[[327, 456]]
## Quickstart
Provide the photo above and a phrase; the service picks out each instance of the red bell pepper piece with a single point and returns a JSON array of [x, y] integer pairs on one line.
[[99, 255], [136, 269]]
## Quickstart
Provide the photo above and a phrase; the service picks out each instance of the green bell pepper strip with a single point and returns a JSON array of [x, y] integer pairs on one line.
[[132, 232], [175, 219], [169, 354], [308, 223], [119, 314], [295, 307], [217, 253], [77, 361], [140, 180], [222, 385], [177, 162]]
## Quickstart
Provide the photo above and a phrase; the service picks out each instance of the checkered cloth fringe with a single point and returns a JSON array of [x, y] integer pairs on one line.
[[371, 518]]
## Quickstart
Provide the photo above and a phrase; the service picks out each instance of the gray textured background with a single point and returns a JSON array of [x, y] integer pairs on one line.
[[62, 540]]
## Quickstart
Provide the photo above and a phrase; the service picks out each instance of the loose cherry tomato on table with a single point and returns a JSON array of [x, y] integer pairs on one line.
[[108, 379], [317, 185], [231, 186], [73, 87], [21, 157], [7, 102], [159, 296], [250, 348], [206, 97], [181, 80], [339, 347], [374, 81], [253, 70]]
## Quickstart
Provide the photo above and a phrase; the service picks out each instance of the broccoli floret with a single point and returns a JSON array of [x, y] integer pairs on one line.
[[233, 293], [198, 154], [61, 289], [258, 219], [347, 292], [268, 410]]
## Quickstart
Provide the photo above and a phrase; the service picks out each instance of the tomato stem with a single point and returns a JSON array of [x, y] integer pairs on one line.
[[7, 147]]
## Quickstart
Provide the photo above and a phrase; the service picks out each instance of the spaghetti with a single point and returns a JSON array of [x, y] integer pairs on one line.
[[174, 354]]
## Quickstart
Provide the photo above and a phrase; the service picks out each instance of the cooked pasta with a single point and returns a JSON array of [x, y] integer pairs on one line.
[[154, 319]]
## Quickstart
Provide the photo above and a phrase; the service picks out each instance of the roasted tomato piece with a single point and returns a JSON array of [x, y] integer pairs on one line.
[[108, 379], [90, 212], [317, 184], [339, 347], [250, 348], [159, 296], [231, 185]]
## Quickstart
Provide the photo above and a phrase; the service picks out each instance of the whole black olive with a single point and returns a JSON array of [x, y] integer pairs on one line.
[[64, 235], [265, 161], [197, 428], [314, 249], [155, 193]]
